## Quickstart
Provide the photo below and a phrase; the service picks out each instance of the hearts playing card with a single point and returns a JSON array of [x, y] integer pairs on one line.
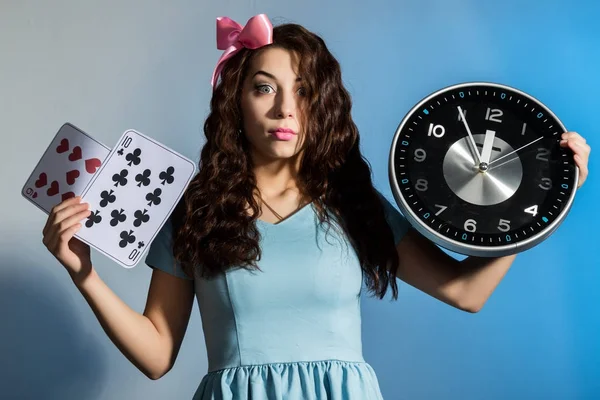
[[132, 196], [65, 169]]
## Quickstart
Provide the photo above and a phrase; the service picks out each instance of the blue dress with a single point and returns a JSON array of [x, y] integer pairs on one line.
[[293, 330]]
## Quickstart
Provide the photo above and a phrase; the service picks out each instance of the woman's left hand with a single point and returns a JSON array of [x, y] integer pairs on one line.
[[581, 152]]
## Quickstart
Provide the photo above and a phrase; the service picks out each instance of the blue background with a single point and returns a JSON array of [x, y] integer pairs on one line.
[[538, 337], [113, 65]]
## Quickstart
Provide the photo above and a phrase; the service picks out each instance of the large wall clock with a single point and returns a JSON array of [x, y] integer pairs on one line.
[[477, 168]]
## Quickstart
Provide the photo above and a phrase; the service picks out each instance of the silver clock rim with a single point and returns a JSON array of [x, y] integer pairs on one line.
[[455, 245]]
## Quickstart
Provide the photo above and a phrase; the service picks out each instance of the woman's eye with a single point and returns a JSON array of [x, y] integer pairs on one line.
[[264, 89], [302, 91]]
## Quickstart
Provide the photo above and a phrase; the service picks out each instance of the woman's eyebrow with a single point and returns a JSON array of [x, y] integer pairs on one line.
[[261, 72]]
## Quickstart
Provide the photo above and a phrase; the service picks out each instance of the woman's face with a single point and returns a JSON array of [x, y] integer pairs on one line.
[[271, 100]]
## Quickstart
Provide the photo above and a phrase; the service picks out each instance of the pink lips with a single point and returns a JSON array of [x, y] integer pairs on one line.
[[282, 133]]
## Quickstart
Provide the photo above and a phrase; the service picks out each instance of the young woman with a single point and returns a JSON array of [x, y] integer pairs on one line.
[[275, 236]]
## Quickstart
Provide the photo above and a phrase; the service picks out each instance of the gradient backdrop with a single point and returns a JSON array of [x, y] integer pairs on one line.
[[107, 66]]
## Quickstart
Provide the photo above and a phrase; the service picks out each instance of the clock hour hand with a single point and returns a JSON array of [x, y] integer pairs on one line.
[[464, 120], [488, 143]]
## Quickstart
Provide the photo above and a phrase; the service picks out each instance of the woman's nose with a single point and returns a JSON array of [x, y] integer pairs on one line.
[[286, 107]]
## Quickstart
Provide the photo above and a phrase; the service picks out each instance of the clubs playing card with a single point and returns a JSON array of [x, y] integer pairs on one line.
[[132, 196], [65, 169]]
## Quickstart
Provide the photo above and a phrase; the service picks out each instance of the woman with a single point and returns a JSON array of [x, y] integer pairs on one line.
[[277, 288]]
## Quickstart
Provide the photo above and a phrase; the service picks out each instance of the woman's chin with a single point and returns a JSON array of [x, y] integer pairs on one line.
[[277, 152]]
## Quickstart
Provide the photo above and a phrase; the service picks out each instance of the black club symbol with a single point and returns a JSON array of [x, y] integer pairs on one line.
[[141, 244], [167, 175], [143, 178], [140, 217], [117, 217], [93, 218], [154, 197], [120, 178], [127, 238], [107, 197], [134, 157]]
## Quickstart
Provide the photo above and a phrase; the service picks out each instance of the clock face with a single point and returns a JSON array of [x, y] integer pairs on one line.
[[478, 169]]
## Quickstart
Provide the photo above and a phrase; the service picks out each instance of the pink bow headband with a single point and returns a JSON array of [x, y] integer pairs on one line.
[[232, 37]]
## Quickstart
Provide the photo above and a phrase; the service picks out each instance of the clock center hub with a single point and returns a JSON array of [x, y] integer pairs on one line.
[[483, 184]]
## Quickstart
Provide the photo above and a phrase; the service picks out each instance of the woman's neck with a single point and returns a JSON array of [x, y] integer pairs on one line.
[[276, 179]]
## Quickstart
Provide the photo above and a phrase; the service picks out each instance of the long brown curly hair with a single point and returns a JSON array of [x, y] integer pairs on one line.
[[214, 224]]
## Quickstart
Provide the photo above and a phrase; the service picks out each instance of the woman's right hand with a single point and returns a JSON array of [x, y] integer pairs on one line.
[[62, 223]]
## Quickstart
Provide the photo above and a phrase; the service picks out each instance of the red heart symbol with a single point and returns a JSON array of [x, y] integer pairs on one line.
[[42, 180], [71, 176], [63, 146], [92, 164], [53, 188], [34, 195], [75, 154], [67, 195]]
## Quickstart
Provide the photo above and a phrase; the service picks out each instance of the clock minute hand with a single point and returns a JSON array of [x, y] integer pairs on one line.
[[514, 151], [462, 116]]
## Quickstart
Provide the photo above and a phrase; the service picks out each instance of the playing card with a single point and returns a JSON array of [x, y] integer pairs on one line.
[[65, 169], [132, 196]]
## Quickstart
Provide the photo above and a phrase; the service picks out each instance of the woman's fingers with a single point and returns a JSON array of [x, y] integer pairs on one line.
[[58, 216]]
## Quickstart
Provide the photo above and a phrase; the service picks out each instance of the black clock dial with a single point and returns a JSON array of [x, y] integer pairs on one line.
[[478, 168]]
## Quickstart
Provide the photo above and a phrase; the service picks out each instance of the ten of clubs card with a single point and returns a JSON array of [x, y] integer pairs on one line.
[[132, 195], [65, 169]]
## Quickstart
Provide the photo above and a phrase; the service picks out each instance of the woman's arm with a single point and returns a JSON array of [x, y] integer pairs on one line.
[[465, 284], [150, 340], [469, 283]]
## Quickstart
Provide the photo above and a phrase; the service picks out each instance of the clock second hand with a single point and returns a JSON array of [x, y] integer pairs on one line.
[[514, 151], [505, 162], [462, 116]]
